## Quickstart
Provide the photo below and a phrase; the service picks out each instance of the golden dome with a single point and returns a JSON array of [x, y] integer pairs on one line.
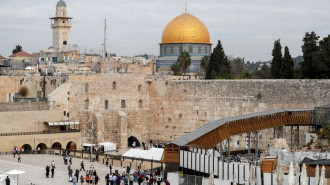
[[185, 28]]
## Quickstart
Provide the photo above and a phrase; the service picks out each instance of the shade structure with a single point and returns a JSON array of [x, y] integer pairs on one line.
[[317, 174], [63, 123], [322, 178], [279, 174], [108, 147], [304, 180], [154, 154], [88, 144]]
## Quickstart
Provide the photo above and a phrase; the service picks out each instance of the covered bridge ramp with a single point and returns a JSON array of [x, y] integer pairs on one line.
[[217, 131]]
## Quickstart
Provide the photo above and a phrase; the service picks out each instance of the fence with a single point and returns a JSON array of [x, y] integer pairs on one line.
[[223, 171]]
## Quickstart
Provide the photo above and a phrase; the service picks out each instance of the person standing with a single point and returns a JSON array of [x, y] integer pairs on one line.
[[131, 179], [77, 174], [74, 180], [70, 173], [70, 160], [82, 180], [53, 168], [7, 181], [14, 152], [19, 157], [110, 169], [47, 171], [82, 166]]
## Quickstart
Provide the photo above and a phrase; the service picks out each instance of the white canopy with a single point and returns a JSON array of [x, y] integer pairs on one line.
[[88, 144], [108, 147], [15, 172], [61, 123], [154, 154]]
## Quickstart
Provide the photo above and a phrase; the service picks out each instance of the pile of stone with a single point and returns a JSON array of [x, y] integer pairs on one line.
[[281, 144]]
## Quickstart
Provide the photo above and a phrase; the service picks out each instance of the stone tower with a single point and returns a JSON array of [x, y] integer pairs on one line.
[[61, 25]]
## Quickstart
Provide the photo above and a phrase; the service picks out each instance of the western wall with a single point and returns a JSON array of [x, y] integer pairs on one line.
[[160, 109]]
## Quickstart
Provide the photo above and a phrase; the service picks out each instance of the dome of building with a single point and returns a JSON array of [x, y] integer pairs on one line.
[[61, 3], [185, 28]]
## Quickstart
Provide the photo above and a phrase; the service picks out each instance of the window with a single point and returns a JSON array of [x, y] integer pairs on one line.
[[139, 87], [86, 104], [64, 113], [140, 104], [123, 104], [114, 85], [65, 42], [190, 49], [106, 104], [86, 88]]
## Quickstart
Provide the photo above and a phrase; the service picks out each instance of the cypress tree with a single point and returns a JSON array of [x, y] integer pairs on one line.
[[277, 60], [219, 66], [321, 59], [307, 68], [287, 67]]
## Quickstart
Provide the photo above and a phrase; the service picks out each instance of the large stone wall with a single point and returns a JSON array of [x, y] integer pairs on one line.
[[172, 108], [179, 107]]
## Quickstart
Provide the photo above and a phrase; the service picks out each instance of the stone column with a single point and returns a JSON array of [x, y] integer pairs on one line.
[[122, 126]]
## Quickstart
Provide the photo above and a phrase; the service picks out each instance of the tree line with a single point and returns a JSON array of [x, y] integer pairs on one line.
[[315, 64]]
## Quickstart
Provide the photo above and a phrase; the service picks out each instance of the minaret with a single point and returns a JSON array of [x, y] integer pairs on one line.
[[61, 25]]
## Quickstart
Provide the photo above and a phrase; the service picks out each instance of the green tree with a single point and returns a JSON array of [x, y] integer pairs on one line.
[[176, 68], [321, 59], [204, 62], [238, 67], [277, 60], [263, 73], [287, 67], [308, 48], [219, 66], [17, 49], [184, 60]]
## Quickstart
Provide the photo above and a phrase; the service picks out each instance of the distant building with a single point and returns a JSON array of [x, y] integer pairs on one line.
[[184, 33], [61, 25], [22, 56]]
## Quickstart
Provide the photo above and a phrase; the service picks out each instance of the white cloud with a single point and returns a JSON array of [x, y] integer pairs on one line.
[[246, 28]]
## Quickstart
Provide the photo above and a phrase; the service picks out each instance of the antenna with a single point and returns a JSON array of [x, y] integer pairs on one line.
[[105, 39]]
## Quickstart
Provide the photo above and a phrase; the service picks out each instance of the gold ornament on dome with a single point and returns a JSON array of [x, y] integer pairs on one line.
[[185, 28]]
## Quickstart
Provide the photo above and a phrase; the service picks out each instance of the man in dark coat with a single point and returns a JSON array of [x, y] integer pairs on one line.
[[47, 171], [7, 181]]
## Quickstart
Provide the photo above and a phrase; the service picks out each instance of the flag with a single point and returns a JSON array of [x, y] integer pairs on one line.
[[23, 61]]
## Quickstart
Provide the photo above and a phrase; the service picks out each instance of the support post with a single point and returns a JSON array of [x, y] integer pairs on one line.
[[298, 141], [256, 148], [249, 143], [228, 156], [274, 133], [291, 137], [282, 132]]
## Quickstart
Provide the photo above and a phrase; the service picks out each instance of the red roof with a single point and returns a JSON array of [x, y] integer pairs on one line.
[[21, 54]]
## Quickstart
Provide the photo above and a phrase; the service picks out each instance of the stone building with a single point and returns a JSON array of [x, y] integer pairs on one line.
[[184, 33]]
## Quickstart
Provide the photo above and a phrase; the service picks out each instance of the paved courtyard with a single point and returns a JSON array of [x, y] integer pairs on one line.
[[34, 167]]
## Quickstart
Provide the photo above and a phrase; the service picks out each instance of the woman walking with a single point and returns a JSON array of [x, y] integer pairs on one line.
[[82, 179]]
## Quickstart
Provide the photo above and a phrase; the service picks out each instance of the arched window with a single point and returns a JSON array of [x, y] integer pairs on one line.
[[114, 85], [86, 88], [139, 87]]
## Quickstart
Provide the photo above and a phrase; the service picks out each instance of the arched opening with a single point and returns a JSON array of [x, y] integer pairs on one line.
[[27, 148], [57, 146], [133, 141], [71, 145], [139, 87], [114, 84], [41, 148]]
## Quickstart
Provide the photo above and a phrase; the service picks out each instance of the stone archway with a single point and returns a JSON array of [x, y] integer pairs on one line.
[[71, 145], [27, 148], [131, 140], [57, 146], [41, 148]]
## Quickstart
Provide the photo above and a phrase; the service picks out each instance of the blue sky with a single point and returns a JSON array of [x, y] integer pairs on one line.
[[246, 28]]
